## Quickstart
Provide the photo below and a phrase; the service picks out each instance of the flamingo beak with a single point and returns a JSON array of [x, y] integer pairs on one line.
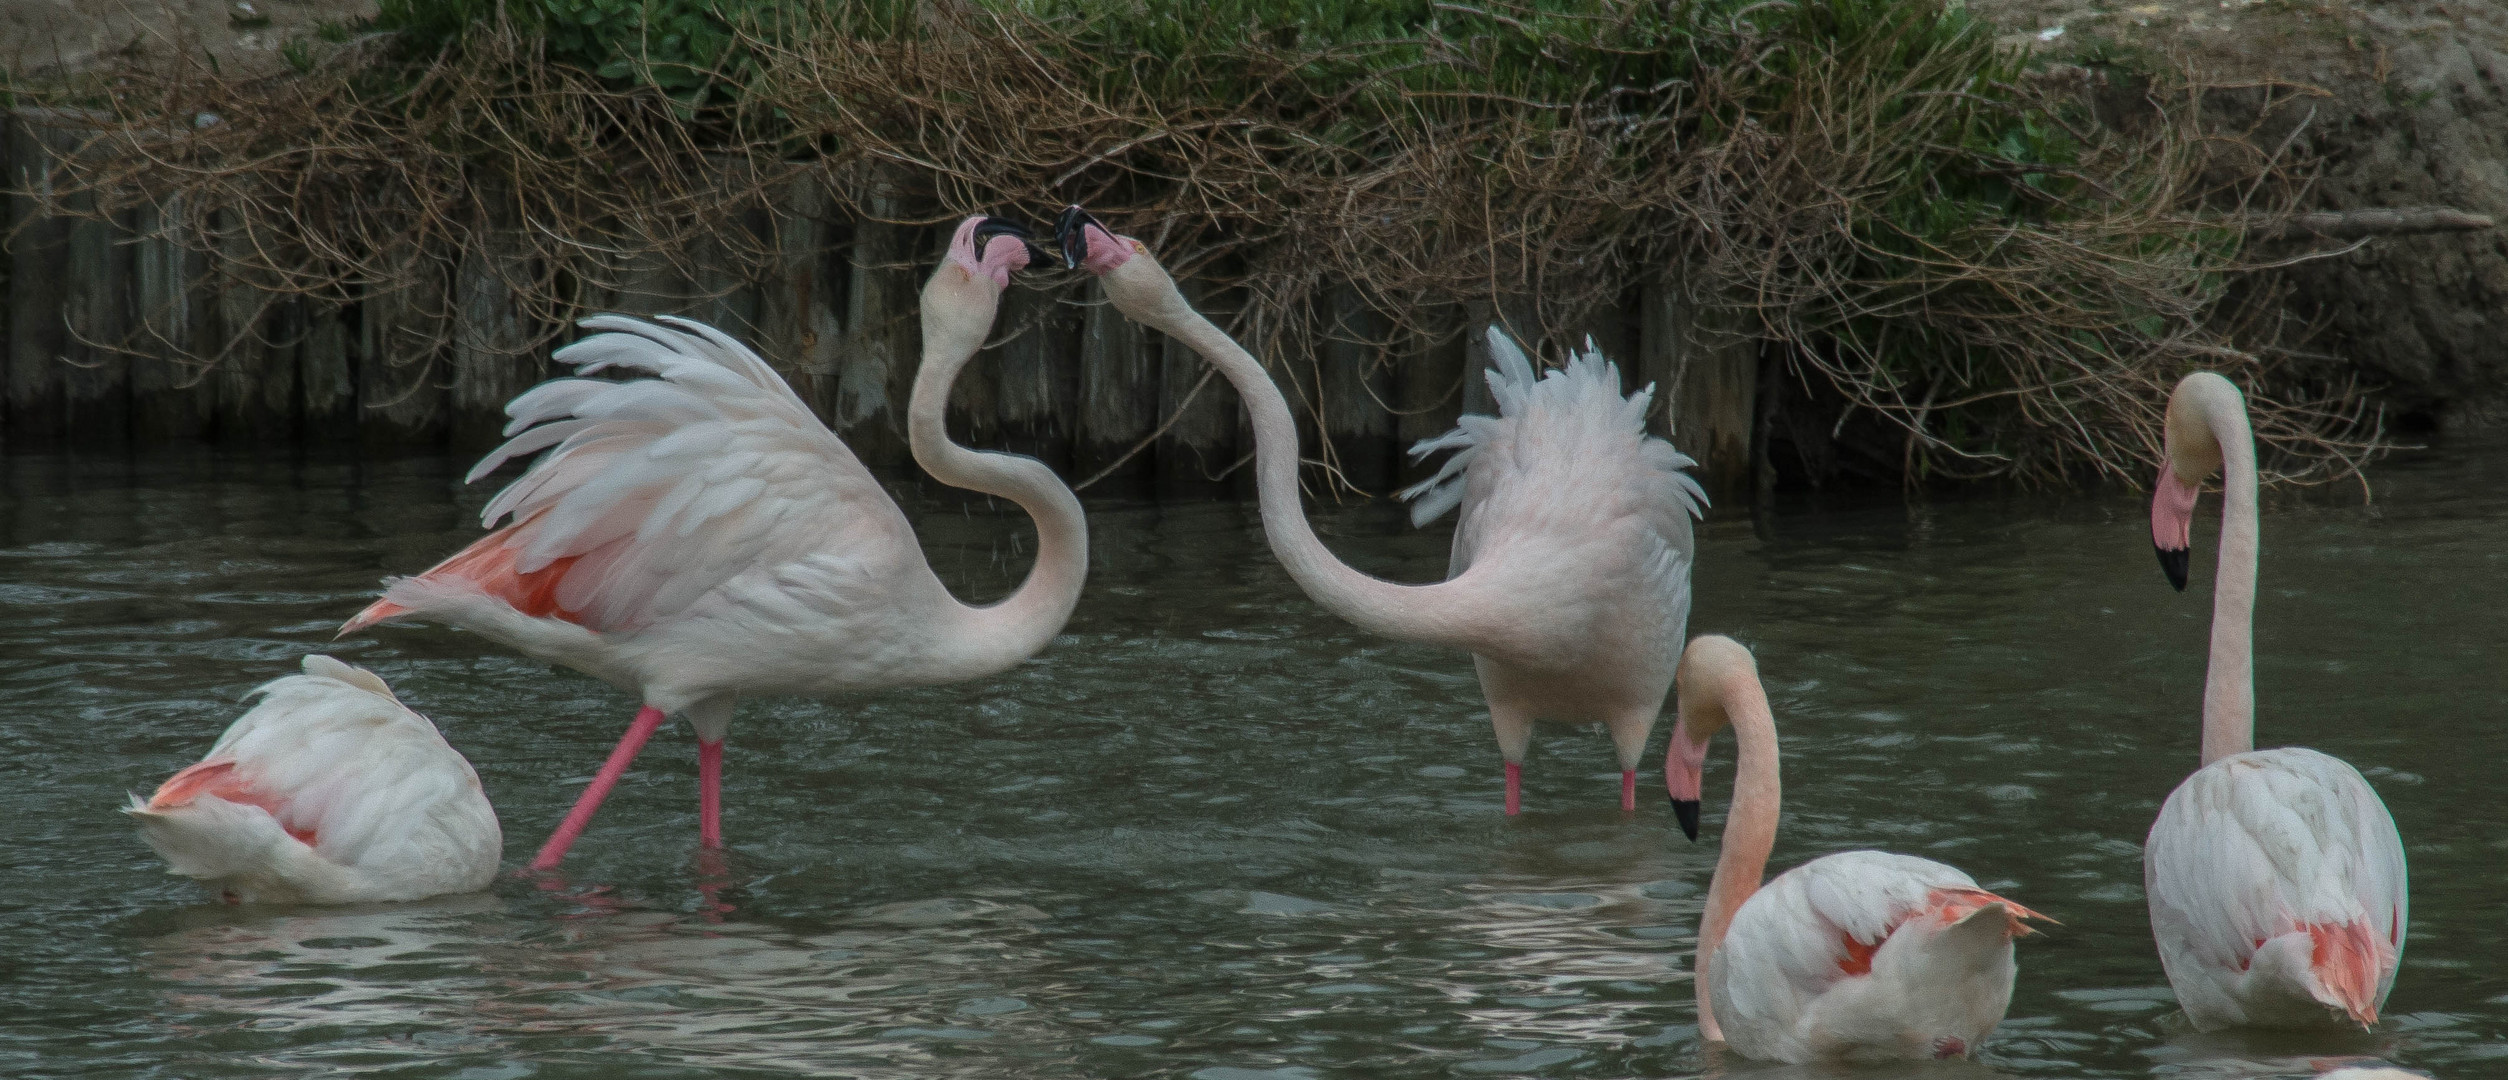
[[1685, 811], [991, 227], [2174, 564], [2172, 524], [1071, 232]]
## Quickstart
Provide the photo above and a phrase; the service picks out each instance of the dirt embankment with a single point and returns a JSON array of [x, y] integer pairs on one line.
[[2413, 112], [44, 39]]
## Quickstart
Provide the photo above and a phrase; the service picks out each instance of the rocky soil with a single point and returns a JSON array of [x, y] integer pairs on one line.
[[2409, 108], [45, 39]]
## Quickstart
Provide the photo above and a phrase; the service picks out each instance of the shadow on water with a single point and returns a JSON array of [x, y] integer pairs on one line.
[[1212, 832]]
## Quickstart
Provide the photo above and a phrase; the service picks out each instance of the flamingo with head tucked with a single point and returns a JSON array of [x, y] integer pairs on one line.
[[699, 535], [1569, 578], [329, 791], [1856, 956], [2275, 877]]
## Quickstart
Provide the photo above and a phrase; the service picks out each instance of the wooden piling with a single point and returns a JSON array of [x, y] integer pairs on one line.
[[326, 371], [404, 331], [1199, 408], [876, 375], [1356, 395], [1706, 387], [493, 357], [39, 248], [254, 362], [172, 394], [1429, 378], [1036, 376], [799, 328], [1119, 391]]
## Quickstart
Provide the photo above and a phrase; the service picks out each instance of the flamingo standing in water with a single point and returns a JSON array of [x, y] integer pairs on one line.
[[1569, 578], [2275, 877], [700, 535], [329, 791], [1856, 956]]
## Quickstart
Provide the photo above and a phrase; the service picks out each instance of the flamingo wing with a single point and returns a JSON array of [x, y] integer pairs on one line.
[[1790, 975], [1566, 446], [328, 789], [655, 491], [2266, 845]]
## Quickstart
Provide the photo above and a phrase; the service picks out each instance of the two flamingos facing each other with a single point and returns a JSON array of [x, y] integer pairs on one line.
[[2275, 877], [1569, 578], [699, 535], [1856, 956], [329, 791]]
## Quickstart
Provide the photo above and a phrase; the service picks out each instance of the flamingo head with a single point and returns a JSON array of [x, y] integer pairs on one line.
[[1684, 769], [2190, 452], [992, 249], [1088, 244]]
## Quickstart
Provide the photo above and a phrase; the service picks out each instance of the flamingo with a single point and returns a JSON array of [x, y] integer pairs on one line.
[[1569, 577], [328, 791], [700, 535], [1856, 956], [2275, 877]]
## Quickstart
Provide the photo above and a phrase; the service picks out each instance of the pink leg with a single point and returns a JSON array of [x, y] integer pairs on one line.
[[710, 793], [648, 719], [1515, 788], [1628, 791]]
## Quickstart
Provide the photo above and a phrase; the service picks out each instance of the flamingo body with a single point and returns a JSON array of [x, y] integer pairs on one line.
[[1575, 528], [2277, 888], [329, 791], [697, 534], [2275, 877], [1865, 956]]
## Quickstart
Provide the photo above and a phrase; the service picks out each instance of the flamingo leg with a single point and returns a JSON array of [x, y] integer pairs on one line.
[[1515, 788], [1628, 791], [710, 793], [648, 719]]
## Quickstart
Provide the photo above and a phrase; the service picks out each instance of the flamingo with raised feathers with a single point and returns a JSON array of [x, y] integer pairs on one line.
[[328, 791], [699, 534], [1569, 577], [2275, 877], [1856, 956]]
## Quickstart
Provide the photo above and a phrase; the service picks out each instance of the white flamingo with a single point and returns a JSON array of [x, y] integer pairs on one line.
[[329, 791], [1856, 956], [1569, 578], [2275, 877], [700, 535]]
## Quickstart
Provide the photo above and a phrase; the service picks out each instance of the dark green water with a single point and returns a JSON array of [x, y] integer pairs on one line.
[[1212, 832]]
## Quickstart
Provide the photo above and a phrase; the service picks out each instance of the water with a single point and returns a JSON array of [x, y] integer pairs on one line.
[[1212, 832]]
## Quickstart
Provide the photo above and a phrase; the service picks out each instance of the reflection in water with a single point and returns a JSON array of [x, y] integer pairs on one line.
[[1212, 832]]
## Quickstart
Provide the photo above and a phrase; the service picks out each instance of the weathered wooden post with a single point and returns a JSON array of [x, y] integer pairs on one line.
[[799, 328], [1036, 376], [1429, 384], [1118, 396], [172, 394], [254, 362], [1356, 391], [1201, 443], [492, 338], [877, 374], [1706, 387], [326, 371], [403, 336]]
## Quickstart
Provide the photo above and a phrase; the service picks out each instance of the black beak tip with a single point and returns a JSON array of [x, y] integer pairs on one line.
[[1685, 811], [2174, 564], [1070, 232]]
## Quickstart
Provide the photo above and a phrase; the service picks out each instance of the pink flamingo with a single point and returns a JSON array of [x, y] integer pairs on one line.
[[2275, 877], [700, 535], [329, 791], [1856, 956], [1569, 579]]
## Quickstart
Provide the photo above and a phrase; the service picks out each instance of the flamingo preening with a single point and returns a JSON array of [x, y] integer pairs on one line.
[[699, 535], [1569, 578], [1856, 956], [2275, 877], [329, 791]]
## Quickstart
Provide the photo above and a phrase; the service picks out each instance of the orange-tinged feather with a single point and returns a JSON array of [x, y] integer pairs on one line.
[[488, 563], [2346, 959], [1947, 905], [216, 778]]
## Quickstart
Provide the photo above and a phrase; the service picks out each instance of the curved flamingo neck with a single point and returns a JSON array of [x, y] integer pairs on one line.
[[1144, 292], [957, 312], [2229, 676], [1749, 826]]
